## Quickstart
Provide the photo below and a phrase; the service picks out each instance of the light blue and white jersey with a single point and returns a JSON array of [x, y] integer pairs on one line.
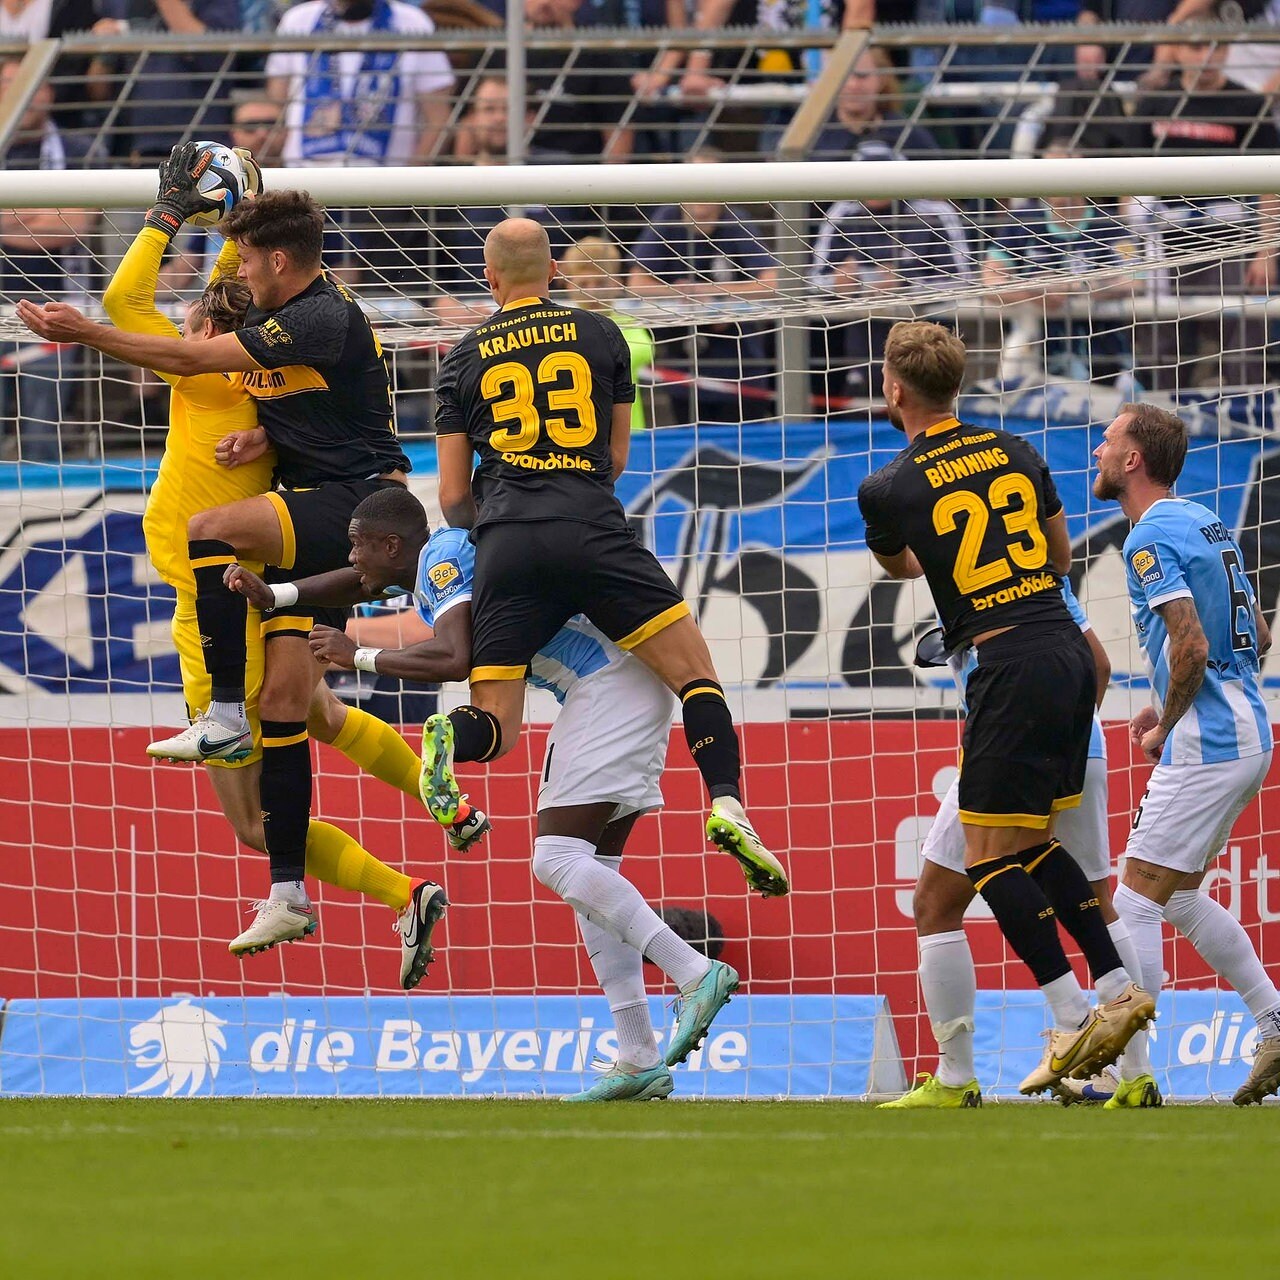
[[1181, 550], [446, 573], [963, 663]]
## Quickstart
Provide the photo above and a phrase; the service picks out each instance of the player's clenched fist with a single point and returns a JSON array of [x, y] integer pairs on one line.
[[334, 647], [249, 585]]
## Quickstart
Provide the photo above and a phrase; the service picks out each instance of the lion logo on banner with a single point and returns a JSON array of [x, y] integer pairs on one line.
[[183, 1042]]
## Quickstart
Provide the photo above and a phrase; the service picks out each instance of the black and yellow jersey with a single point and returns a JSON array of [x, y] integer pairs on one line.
[[971, 502], [322, 387], [533, 387]]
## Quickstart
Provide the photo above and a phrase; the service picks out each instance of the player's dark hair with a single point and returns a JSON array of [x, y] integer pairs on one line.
[[288, 221], [391, 510], [1161, 438], [929, 358], [224, 304]]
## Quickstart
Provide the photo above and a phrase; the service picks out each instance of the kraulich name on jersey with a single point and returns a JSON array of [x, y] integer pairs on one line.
[[552, 462], [1019, 591]]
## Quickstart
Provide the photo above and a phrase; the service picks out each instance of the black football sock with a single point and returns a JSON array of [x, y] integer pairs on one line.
[[1023, 914], [221, 616], [1074, 903], [286, 796], [712, 739], [477, 735]]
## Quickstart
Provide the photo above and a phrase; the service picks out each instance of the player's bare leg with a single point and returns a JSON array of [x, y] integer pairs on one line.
[[250, 529]]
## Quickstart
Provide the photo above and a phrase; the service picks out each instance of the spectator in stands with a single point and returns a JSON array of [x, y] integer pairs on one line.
[[577, 99], [709, 253], [256, 125], [1092, 60], [33, 20], [703, 65], [176, 95], [460, 232], [42, 255], [867, 112], [592, 273], [887, 249], [1048, 264], [1202, 113], [344, 106]]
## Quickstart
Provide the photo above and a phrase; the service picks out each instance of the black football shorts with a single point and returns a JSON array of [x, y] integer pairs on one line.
[[533, 576], [1026, 736], [313, 523]]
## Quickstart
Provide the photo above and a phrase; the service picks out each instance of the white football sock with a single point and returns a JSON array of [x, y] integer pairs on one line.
[[950, 986], [1067, 1002], [1120, 935], [1225, 947], [229, 713], [620, 971], [568, 867], [294, 892], [1145, 921]]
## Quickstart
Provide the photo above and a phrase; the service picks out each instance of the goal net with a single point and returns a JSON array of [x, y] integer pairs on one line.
[[755, 299]]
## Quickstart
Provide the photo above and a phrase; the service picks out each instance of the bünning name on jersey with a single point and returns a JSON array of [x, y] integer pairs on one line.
[[971, 505]]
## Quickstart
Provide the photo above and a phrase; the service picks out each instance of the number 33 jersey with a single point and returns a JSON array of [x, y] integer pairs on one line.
[[533, 387], [971, 502], [1181, 550]]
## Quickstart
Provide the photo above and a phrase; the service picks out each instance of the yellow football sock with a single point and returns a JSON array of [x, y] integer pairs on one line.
[[334, 857], [378, 749]]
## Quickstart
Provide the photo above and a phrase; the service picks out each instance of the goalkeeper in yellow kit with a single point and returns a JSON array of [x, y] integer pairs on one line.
[[195, 475]]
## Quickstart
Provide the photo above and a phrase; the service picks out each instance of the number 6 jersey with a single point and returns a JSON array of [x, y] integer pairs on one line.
[[1182, 550], [533, 387], [971, 503]]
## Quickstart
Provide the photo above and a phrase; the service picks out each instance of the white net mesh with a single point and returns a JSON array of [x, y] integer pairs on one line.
[[756, 330]]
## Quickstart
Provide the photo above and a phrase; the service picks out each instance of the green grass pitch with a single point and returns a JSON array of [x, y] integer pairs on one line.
[[721, 1191]]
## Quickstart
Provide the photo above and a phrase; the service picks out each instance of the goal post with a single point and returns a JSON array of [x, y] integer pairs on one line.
[[120, 883]]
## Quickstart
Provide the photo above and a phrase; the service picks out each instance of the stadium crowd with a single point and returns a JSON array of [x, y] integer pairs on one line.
[[646, 102]]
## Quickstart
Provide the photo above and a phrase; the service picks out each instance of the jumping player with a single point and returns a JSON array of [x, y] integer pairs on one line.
[[542, 392]]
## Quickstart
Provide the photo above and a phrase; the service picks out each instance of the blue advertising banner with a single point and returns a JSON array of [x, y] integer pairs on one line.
[[758, 520], [760, 1046], [1201, 1046]]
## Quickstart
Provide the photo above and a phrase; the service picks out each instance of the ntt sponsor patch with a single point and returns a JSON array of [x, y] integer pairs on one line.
[[1146, 565]]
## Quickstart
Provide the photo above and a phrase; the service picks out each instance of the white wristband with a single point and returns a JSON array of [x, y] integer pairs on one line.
[[284, 594], [367, 660]]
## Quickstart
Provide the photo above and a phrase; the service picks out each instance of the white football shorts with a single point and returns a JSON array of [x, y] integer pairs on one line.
[[609, 741], [1082, 830], [1188, 811]]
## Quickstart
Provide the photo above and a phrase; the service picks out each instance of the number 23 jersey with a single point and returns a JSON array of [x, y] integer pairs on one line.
[[971, 502], [533, 387]]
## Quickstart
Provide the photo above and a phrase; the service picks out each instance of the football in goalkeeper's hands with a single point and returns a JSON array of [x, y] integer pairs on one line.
[[224, 181]]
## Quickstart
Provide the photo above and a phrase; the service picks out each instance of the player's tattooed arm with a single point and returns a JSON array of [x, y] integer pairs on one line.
[[1188, 657]]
